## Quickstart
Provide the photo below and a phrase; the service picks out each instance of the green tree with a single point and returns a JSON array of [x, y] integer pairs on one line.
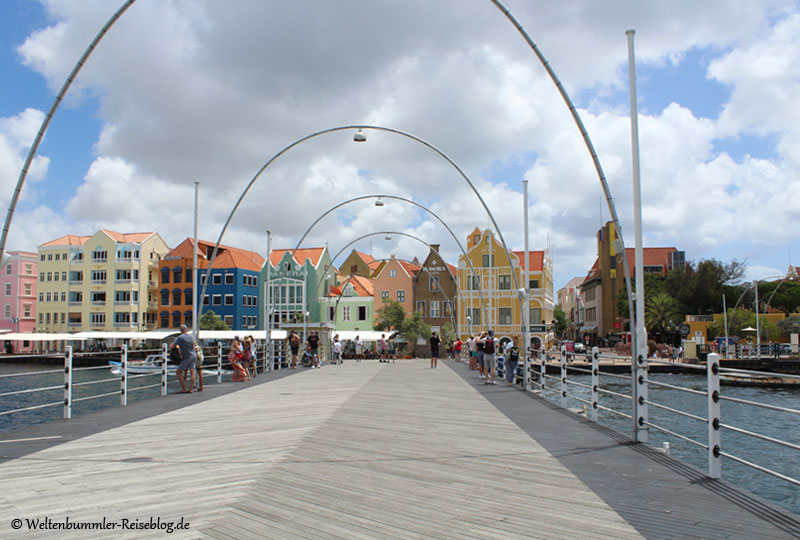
[[414, 327], [782, 295], [653, 285], [391, 316], [212, 321], [447, 334], [738, 320], [561, 322], [699, 287], [659, 311]]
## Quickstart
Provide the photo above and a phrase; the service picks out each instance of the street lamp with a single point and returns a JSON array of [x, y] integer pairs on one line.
[[379, 202], [360, 137]]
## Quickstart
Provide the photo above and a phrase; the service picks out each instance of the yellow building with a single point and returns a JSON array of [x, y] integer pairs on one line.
[[107, 281], [498, 289]]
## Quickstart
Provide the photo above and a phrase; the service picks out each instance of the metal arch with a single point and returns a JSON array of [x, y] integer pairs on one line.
[[361, 127], [448, 298], [319, 281], [12, 205], [431, 212]]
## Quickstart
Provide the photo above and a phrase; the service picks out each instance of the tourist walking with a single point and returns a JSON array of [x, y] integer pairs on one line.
[[457, 346], [480, 352], [337, 350], [198, 352], [294, 347], [472, 348], [359, 349], [489, 358], [511, 360], [235, 355], [184, 343], [382, 348], [435, 341], [247, 355], [313, 349]]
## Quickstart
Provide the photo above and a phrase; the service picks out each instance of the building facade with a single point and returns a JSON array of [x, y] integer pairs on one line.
[[394, 280], [107, 281], [350, 303], [490, 298], [231, 293], [18, 283], [435, 295], [571, 301]]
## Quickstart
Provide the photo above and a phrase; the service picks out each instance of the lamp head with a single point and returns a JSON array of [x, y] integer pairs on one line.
[[387, 237], [359, 136], [379, 202]]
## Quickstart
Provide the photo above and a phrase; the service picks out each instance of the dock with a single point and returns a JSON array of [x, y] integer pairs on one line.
[[364, 450]]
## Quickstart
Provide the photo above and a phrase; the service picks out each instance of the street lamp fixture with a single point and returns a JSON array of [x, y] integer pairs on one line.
[[379, 202], [387, 237], [360, 136]]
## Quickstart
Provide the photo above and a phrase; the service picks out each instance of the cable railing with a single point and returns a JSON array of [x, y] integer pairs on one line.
[[553, 376]]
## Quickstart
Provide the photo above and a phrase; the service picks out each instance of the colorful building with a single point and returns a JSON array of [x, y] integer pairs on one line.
[[18, 285], [495, 287], [296, 284], [350, 304], [360, 264], [232, 292], [107, 281], [394, 280], [569, 298], [435, 295]]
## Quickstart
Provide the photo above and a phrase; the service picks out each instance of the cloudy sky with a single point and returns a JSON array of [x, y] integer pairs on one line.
[[200, 90]]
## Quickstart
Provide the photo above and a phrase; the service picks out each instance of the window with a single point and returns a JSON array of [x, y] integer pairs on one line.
[[26, 310], [473, 283], [229, 320], [8, 269], [433, 284], [245, 280], [97, 319], [47, 296], [536, 316], [476, 239], [590, 294], [55, 276], [98, 276], [49, 276], [28, 289], [245, 300], [41, 297], [177, 274], [99, 255], [122, 297], [165, 275], [63, 296], [176, 297], [244, 320], [8, 289], [448, 309], [434, 307], [63, 276], [504, 283], [362, 313], [229, 279], [401, 296], [385, 296], [76, 278], [488, 260], [205, 299], [164, 297], [504, 315], [49, 256], [590, 314], [203, 278], [98, 298], [164, 323], [475, 316], [216, 279], [346, 313], [176, 319], [58, 256], [331, 313], [228, 299], [421, 307], [29, 269], [7, 311], [189, 275], [41, 258], [392, 273], [216, 300], [63, 317], [187, 297], [41, 276], [47, 318], [533, 284]]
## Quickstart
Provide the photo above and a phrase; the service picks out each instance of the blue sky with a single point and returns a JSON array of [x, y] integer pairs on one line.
[[179, 92]]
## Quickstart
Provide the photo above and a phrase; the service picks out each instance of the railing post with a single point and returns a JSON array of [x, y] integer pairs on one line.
[[219, 362], [563, 376], [714, 412], [68, 382], [595, 382], [543, 374], [639, 367], [123, 381], [164, 369]]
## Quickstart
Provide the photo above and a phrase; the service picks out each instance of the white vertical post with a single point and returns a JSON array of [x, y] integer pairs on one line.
[[68, 382], [639, 350], [563, 376], [164, 358], [123, 382], [526, 302], [725, 316], [195, 307], [758, 327], [543, 373], [714, 412], [268, 355], [595, 382], [219, 362]]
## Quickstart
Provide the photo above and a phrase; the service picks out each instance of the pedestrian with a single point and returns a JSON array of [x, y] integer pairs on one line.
[[294, 347], [382, 348], [337, 350], [359, 347], [198, 351], [472, 347], [480, 352], [185, 344], [457, 346], [511, 360], [313, 347], [434, 340], [489, 358], [235, 355], [247, 356]]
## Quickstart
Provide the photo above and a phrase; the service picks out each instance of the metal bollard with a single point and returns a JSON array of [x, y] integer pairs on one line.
[[123, 381], [164, 369], [595, 382], [68, 383], [714, 413], [563, 376]]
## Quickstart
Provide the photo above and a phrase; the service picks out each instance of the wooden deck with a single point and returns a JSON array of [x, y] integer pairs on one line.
[[358, 451]]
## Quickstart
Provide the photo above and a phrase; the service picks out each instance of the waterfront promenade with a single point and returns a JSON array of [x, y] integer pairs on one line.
[[362, 450]]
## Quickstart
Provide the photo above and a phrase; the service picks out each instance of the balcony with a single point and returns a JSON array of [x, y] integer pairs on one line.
[[98, 282], [98, 302], [74, 324], [97, 324], [76, 282], [76, 302]]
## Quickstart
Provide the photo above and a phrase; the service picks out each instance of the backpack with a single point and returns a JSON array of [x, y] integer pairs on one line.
[[175, 354], [513, 354], [488, 346]]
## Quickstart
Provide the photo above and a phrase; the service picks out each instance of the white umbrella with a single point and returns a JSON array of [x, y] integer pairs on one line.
[[749, 329]]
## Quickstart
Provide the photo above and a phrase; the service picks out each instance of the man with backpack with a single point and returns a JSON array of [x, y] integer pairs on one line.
[[511, 360], [489, 358]]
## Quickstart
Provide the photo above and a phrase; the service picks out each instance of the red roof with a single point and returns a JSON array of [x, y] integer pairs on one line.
[[366, 258], [411, 268], [536, 259], [300, 256], [227, 256], [68, 240], [652, 257], [134, 238], [594, 272]]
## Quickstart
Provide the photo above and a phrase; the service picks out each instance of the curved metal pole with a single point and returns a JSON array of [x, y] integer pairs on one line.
[[338, 253], [447, 298], [49, 116], [362, 127], [596, 160], [431, 212]]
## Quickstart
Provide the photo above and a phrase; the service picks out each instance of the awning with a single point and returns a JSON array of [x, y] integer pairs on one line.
[[588, 329], [17, 336], [363, 335], [230, 334]]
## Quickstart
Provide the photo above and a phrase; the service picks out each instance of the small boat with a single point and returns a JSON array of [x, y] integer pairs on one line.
[[759, 379], [151, 364]]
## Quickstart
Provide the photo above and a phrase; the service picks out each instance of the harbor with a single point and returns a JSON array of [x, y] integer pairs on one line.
[[368, 450]]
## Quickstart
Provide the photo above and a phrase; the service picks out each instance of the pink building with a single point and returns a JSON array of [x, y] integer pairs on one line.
[[18, 296]]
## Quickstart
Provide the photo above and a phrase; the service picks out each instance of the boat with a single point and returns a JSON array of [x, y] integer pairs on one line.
[[151, 364], [759, 379]]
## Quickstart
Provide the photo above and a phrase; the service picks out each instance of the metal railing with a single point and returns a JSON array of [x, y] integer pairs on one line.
[[567, 389]]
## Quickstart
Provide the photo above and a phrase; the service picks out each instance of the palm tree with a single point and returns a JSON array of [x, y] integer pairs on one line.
[[660, 310]]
